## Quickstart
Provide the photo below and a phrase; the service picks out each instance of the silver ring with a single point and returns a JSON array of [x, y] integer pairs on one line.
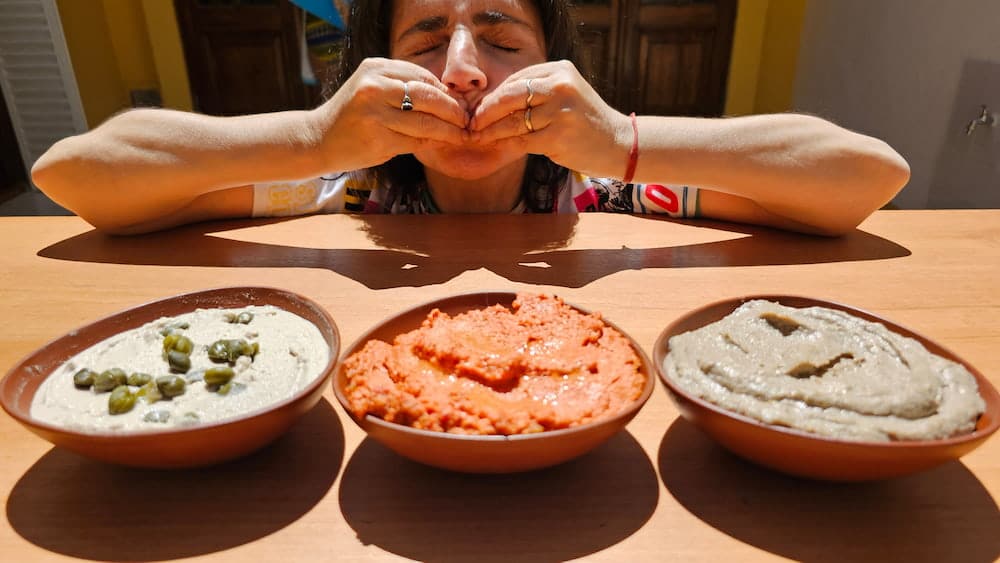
[[407, 104], [531, 93], [527, 120]]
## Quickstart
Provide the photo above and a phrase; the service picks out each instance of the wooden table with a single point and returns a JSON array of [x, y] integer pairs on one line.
[[658, 491]]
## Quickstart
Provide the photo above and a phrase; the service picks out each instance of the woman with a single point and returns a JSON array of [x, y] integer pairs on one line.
[[466, 90]]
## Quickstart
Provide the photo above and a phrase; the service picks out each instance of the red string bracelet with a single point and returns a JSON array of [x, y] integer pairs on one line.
[[633, 154]]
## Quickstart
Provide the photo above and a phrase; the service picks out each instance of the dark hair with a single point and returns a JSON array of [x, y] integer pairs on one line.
[[368, 36]]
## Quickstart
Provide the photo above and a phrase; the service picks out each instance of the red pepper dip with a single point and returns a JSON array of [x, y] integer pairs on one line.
[[540, 365]]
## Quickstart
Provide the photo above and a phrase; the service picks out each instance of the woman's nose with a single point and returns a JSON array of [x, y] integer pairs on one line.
[[463, 71]]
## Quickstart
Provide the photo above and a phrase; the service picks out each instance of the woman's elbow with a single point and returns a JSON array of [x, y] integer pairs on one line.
[[53, 173], [883, 175], [60, 174]]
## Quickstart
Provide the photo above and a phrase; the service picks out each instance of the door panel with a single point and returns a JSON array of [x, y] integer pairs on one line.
[[599, 31], [677, 58], [242, 55], [663, 57]]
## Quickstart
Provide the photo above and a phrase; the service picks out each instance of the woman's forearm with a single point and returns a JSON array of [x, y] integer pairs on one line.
[[144, 164], [794, 166]]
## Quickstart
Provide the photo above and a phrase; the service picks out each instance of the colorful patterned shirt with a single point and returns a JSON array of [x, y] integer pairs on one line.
[[356, 192]]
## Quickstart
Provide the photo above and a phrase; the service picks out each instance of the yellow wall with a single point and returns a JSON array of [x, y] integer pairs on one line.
[[120, 45], [168, 53], [88, 40], [117, 46], [765, 53]]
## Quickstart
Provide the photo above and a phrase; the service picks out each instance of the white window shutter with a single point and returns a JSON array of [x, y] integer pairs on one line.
[[37, 77]]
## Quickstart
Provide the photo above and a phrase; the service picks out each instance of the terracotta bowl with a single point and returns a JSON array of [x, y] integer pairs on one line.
[[810, 455], [200, 445], [483, 454]]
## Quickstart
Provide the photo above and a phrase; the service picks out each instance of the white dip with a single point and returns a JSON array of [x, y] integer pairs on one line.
[[826, 372], [292, 354]]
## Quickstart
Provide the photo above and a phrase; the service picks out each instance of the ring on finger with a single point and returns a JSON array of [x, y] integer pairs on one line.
[[407, 104], [531, 93], [527, 120]]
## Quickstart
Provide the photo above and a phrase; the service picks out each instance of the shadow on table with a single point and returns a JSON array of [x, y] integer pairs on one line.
[[82, 508], [554, 514], [425, 250], [944, 514]]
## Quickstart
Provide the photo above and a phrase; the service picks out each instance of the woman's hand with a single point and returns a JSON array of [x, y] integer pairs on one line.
[[364, 125], [567, 120]]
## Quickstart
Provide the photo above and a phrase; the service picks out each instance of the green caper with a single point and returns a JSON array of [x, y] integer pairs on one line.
[[229, 350], [84, 378], [189, 419], [138, 379], [218, 352], [174, 327], [171, 385], [179, 342], [149, 392], [169, 340], [121, 401], [242, 318], [225, 388], [184, 345], [218, 376], [160, 417], [251, 349], [109, 379], [178, 361]]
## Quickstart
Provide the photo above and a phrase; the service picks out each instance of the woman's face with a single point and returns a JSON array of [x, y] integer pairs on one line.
[[471, 46]]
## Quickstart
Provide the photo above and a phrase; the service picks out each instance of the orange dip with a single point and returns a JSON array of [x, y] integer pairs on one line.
[[540, 365]]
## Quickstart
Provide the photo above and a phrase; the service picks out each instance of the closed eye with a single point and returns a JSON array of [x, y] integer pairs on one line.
[[503, 48], [425, 50]]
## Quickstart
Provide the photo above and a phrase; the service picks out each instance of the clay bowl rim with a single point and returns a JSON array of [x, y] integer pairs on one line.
[[490, 298], [192, 300], [986, 389]]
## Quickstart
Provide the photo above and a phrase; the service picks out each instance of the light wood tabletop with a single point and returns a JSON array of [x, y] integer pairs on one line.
[[660, 490]]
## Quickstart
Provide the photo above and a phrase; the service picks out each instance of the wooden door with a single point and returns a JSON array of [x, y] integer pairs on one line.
[[676, 57], [659, 57], [242, 55], [599, 29]]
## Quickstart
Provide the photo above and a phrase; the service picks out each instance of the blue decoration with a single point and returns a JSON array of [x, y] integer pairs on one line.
[[323, 9]]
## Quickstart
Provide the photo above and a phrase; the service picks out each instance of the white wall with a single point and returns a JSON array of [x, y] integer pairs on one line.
[[914, 73]]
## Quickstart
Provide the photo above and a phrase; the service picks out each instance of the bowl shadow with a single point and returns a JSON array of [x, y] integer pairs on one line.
[[552, 514], [78, 507], [943, 514]]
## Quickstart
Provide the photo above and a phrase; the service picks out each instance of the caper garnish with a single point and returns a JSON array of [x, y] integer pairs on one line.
[[138, 379], [168, 341], [229, 350], [121, 401], [84, 378], [171, 385], [179, 342], [218, 376], [157, 416], [109, 379], [149, 392], [173, 327], [178, 361], [251, 349], [219, 351], [242, 318], [225, 388], [189, 419]]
